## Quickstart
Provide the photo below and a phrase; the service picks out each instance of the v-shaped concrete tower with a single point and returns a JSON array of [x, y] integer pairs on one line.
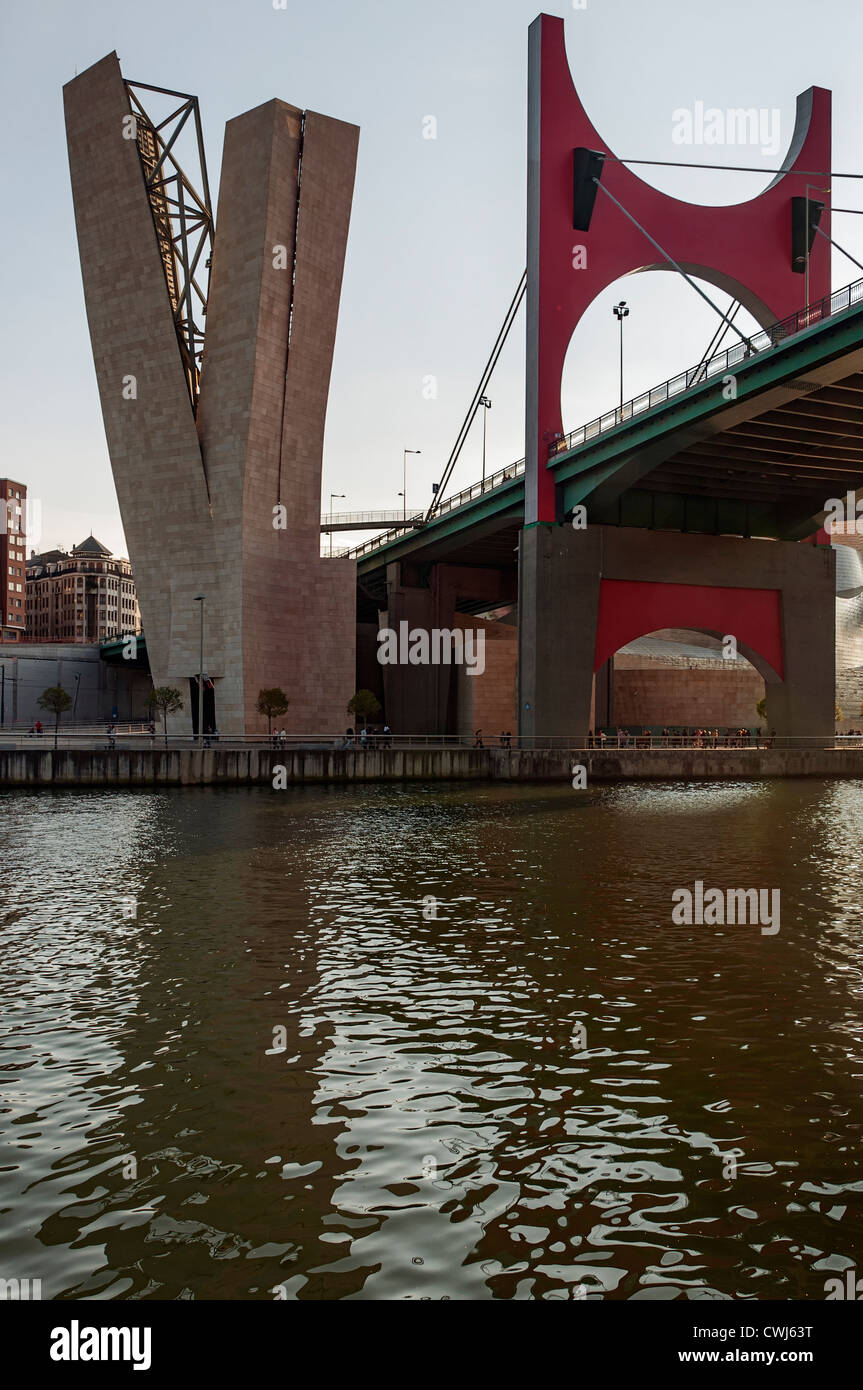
[[217, 463]]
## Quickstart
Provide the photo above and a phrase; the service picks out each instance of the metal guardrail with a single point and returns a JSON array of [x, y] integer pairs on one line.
[[629, 742], [763, 341], [356, 520]]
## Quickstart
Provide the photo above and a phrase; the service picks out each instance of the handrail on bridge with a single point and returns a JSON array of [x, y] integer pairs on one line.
[[762, 341]]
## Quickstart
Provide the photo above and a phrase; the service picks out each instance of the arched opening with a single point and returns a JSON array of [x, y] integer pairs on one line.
[[674, 682], [668, 330]]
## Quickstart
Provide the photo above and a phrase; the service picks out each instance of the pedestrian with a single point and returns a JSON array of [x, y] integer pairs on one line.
[[349, 739], [387, 736], [364, 738], [283, 738], [110, 733], [477, 739], [38, 726]]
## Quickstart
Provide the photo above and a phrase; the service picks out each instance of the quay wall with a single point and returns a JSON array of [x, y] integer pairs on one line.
[[155, 767]]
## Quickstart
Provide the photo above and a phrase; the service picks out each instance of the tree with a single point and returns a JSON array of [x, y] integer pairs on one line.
[[273, 703], [839, 714], [761, 708], [365, 705], [57, 700], [167, 699]]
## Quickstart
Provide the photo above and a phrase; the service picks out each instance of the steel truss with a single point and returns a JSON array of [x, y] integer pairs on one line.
[[182, 216]]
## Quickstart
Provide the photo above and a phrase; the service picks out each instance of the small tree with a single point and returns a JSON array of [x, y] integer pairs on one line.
[[167, 699], [839, 714], [273, 703], [365, 705], [57, 700], [761, 708]]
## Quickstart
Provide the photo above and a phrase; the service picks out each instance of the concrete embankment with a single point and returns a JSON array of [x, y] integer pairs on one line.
[[154, 767]]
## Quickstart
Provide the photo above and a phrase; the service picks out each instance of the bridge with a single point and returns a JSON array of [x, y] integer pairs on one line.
[[683, 456], [368, 521], [684, 508]]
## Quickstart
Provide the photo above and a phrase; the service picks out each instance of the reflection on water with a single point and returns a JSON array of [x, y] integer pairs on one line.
[[429, 1042]]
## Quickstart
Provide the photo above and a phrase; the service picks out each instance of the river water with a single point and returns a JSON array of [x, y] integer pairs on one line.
[[429, 1042]]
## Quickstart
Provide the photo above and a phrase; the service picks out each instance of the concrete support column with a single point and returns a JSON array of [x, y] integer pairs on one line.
[[721, 585], [409, 692], [804, 703], [558, 601]]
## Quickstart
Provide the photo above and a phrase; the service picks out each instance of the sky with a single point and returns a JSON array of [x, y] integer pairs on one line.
[[437, 239]]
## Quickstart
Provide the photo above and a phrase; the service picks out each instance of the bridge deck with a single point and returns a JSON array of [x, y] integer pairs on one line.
[[745, 444]]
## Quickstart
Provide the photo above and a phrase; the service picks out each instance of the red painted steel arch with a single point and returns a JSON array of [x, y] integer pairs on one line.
[[744, 248], [631, 608]]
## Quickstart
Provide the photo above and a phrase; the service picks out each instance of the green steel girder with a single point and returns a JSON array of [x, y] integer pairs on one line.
[[503, 504], [580, 471]]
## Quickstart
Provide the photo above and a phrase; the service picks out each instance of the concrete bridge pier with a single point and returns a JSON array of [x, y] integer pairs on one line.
[[583, 594], [429, 699]]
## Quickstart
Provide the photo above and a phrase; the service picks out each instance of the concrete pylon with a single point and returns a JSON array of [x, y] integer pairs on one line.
[[225, 500]]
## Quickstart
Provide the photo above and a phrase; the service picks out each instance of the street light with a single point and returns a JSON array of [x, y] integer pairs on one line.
[[484, 401], [199, 598], [341, 497], [620, 313], [404, 494]]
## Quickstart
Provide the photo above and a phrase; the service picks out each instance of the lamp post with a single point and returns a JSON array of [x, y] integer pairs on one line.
[[486, 404], [620, 313], [199, 598], [405, 453], [341, 497]]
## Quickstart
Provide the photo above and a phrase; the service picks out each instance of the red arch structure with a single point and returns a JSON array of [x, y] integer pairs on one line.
[[744, 249], [631, 608]]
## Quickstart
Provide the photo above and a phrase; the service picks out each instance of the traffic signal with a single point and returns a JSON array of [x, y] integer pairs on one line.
[[586, 171], [803, 237]]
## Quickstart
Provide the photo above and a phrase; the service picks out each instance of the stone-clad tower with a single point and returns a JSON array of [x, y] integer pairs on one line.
[[218, 465]]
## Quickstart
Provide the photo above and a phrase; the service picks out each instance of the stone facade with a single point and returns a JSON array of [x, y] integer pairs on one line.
[[201, 496], [80, 597], [13, 543]]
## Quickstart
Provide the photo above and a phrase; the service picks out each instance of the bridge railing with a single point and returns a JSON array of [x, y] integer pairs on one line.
[[125, 739], [356, 520], [720, 363]]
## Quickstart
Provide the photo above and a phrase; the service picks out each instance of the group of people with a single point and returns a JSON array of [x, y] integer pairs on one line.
[[679, 738], [505, 739], [368, 738], [278, 738]]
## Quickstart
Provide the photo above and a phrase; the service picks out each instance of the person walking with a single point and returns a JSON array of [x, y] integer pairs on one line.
[[387, 736]]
